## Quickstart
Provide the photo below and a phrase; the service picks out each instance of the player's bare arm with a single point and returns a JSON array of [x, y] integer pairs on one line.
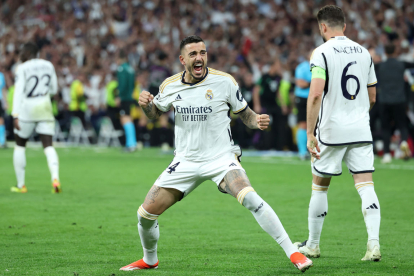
[[234, 182], [313, 106], [372, 93], [253, 120], [145, 101]]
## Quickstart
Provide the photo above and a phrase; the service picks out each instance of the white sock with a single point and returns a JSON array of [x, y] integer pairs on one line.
[[19, 162], [149, 232], [370, 210], [318, 209], [266, 218], [52, 161]]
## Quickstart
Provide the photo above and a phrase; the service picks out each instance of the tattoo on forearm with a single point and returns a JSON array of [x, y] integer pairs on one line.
[[249, 118], [152, 195], [152, 111], [235, 181]]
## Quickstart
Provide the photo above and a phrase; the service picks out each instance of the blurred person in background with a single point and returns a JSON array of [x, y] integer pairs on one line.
[[303, 78], [112, 101], [77, 105], [391, 94], [126, 84], [141, 85], [3, 106], [266, 96], [95, 98]]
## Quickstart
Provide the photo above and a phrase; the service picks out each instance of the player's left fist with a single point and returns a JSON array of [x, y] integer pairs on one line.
[[263, 121]]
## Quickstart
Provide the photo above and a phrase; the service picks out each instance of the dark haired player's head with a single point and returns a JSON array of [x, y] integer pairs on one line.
[[29, 51], [193, 57], [389, 49], [331, 20], [122, 56]]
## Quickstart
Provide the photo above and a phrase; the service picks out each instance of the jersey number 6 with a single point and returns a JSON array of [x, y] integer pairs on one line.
[[344, 80]]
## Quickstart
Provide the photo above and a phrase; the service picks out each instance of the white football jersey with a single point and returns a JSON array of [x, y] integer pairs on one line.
[[202, 113], [344, 114], [35, 82]]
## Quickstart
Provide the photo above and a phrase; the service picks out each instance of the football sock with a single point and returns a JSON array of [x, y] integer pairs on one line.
[[266, 218], [302, 139], [149, 232], [318, 209], [19, 162], [52, 161], [131, 140], [370, 210], [2, 135]]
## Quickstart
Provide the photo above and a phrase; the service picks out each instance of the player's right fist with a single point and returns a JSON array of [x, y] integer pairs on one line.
[[145, 98]]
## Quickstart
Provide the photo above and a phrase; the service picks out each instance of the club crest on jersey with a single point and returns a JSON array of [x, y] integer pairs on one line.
[[209, 94]]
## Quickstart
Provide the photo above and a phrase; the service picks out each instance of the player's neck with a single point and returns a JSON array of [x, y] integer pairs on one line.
[[334, 33]]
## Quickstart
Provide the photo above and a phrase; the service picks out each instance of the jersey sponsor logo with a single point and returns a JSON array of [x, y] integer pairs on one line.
[[347, 50], [194, 109], [178, 98], [209, 94]]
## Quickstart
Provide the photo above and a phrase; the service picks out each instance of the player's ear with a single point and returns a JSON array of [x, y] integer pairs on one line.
[[343, 30], [182, 60]]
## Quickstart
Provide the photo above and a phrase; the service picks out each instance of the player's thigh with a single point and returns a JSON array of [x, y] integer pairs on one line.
[[26, 129], [359, 159], [227, 173], [330, 163], [159, 199], [47, 140]]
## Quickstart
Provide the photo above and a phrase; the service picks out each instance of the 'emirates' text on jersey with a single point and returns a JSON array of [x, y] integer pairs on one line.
[[35, 82], [344, 113], [202, 121]]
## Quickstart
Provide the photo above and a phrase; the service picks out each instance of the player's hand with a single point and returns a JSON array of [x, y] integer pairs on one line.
[[263, 121], [145, 98], [313, 147], [16, 123]]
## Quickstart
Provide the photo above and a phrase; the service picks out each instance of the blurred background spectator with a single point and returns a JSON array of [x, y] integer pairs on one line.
[[257, 41]]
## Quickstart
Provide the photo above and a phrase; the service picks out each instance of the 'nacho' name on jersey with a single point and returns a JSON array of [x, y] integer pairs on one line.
[[192, 113], [347, 50]]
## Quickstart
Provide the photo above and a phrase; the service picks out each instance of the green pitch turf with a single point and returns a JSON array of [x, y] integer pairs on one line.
[[90, 229]]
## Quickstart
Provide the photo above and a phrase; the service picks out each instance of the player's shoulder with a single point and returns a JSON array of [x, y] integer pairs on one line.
[[222, 76], [167, 84]]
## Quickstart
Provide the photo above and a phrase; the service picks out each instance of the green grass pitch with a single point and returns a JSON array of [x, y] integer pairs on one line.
[[90, 229]]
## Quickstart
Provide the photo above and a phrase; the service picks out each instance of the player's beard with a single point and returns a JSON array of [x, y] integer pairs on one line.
[[190, 71]]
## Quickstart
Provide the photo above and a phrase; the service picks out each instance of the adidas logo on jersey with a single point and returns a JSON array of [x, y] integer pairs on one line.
[[178, 98], [232, 164], [372, 206], [322, 215]]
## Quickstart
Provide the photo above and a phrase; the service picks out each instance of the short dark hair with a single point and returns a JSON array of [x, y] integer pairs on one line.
[[29, 51], [190, 39], [332, 15], [122, 54], [389, 48]]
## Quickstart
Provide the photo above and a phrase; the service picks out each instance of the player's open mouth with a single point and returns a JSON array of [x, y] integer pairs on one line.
[[198, 68]]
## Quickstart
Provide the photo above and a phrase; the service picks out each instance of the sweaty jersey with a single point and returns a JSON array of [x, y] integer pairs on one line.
[[344, 113], [35, 82], [202, 109]]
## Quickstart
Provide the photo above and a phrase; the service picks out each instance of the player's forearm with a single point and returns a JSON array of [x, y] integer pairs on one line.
[[313, 106], [372, 93], [249, 118], [151, 111]]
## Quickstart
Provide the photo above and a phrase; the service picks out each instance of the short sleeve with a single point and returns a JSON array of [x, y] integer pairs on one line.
[[236, 99], [372, 78], [163, 101], [317, 59]]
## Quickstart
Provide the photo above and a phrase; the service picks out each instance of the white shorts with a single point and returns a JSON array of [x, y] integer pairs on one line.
[[42, 127], [359, 158], [185, 176]]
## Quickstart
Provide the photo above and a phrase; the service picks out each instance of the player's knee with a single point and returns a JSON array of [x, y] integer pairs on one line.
[[249, 198]]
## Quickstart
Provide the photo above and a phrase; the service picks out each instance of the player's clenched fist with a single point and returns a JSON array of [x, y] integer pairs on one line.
[[263, 121], [145, 98]]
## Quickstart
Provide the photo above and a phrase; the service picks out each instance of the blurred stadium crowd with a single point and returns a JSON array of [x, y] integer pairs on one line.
[[254, 40]]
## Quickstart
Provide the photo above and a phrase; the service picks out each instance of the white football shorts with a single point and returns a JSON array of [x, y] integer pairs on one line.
[[185, 176], [42, 127], [359, 158]]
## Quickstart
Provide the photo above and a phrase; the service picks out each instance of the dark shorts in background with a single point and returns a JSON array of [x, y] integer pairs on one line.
[[1, 109], [301, 106], [125, 108]]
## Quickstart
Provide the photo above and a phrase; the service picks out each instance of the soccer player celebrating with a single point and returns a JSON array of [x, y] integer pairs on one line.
[[342, 91], [202, 98], [35, 82]]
